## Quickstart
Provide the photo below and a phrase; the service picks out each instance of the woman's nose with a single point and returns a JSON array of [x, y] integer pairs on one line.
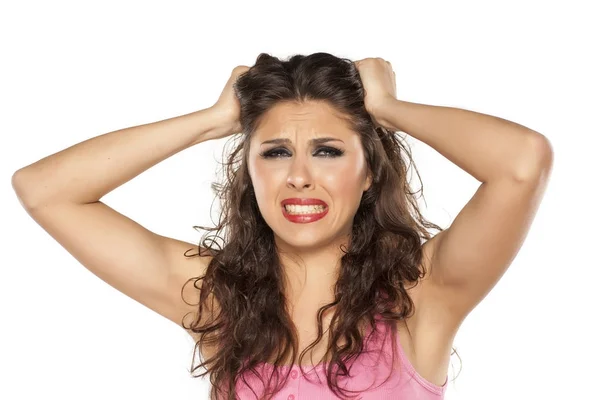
[[299, 176], [298, 183]]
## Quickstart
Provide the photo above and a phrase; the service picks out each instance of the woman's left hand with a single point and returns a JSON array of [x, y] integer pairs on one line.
[[379, 81]]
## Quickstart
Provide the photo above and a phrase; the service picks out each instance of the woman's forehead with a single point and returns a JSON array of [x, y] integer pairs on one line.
[[302, 122]]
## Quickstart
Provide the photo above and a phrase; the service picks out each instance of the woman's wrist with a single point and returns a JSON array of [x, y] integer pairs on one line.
[[383, 113], [220, 125]]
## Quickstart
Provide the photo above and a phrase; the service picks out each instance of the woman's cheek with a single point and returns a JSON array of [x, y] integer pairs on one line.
[[267, 180], [341, 177]]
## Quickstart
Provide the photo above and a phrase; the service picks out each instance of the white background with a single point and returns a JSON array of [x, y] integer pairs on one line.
[[75, 70]]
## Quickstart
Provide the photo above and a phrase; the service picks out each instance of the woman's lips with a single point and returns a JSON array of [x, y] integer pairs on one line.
[[304, 218]]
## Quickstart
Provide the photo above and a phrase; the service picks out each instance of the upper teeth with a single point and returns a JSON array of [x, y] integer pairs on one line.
[[298, 209]]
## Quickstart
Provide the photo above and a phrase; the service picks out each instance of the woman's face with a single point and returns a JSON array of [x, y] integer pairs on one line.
[[291, 160]]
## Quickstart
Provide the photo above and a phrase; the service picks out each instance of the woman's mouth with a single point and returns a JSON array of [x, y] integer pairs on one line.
[[303, 214]]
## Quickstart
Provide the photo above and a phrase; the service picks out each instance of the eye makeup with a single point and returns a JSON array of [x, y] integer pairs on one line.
[[321, 152]]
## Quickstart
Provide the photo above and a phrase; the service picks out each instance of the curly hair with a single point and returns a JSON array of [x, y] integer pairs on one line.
[[245, 276]]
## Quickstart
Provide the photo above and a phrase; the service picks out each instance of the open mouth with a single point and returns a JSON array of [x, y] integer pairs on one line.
[[304, 214], [296, 209]]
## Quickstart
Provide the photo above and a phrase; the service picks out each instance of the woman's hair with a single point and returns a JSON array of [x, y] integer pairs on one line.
[[245, 275]]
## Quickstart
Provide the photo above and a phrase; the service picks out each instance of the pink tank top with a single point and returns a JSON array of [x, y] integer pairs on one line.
[[367, 377]]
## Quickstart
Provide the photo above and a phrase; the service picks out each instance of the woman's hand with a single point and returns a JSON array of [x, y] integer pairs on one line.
[[379, 81], [228, 106]]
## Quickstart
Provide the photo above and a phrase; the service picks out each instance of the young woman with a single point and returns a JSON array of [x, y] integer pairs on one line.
[[324, 254]]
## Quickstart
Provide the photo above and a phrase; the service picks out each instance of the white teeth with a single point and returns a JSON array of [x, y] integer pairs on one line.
[[298, 209]]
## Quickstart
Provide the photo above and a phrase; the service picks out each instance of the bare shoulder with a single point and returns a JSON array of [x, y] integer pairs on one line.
[[427, 341]]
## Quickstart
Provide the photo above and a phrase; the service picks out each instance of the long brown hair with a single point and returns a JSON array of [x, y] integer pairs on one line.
[[245, 276]]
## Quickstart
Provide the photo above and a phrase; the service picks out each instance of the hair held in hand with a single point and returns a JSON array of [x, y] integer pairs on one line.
[[245, 278]]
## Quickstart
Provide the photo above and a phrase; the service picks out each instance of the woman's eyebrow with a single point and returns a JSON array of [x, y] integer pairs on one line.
[[314, 141]]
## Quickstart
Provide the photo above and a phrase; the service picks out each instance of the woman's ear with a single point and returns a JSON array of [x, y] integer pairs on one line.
[[368, 181]]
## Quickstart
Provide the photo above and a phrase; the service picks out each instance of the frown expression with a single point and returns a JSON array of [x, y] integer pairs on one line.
[[298, 161]]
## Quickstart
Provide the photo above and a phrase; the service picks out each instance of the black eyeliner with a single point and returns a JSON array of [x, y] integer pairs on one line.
[[335, 152]]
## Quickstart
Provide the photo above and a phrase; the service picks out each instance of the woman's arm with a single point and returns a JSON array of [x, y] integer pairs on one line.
[[86, 171], [62, 194], [513, 163], [486, 147]]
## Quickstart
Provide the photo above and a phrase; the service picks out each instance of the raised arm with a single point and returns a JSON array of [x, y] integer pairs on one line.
[[513, 164], [62, 194]]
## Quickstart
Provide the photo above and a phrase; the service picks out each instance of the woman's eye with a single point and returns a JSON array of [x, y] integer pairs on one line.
[[330, 152], [323, 152], [275, 153]]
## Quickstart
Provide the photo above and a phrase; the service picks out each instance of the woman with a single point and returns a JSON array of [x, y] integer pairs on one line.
[[324, 252]]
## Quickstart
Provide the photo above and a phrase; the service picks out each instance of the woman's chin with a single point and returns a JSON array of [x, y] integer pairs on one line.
[[306, 240], [301, 241]]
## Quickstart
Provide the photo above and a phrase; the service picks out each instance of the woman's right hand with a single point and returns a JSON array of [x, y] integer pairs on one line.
[[228, 106]]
